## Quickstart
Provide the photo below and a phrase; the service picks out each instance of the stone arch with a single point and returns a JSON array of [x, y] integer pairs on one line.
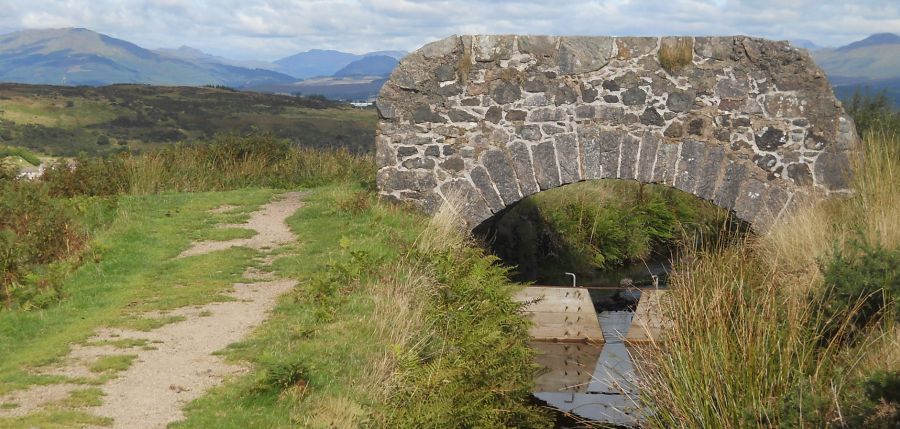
[[747, 123]]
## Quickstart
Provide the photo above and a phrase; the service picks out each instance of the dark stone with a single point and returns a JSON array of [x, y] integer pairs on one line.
[[675, 130], [767, 162], [567, 156], [590, 144], [634, 97], [516, 115], [611, 98], [493, 114], [419, 163], [454, 164], [445, 73], [424, 114], [398, 180], [470, 101], [521, 159], [735, 174], [564, 95], [545, 169], [485, 186], [652, 117], [505, 92], [722, 134], [385, 109], [457, 115], [628, 164], [547, 114], [610, 114], [800, 174], [450, 90], [529, 132], [708, 177], [584, 112], [550, 129], [474, 208], [502, 174], [680, 101], [588, 95], [611, 85], [666, 159], [741, 122], [535, 85], [771, 139], [649, 144], [696, 126], [448, 150], [610, 141], [833, 170], [433, 150], [404, 151], [750, 199], [693, 155]]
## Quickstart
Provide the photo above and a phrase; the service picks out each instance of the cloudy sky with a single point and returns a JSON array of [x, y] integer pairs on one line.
[[271, 29]]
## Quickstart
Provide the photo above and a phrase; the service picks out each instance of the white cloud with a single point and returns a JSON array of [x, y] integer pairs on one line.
[[269, 29]]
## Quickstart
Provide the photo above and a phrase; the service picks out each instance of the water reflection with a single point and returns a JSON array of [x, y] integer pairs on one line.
[[594, 382]]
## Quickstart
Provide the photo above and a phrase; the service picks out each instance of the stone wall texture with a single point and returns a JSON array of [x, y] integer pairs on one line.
[[747, 123]]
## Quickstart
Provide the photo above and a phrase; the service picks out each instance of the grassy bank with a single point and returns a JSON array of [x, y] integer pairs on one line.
[[796, 328], [600, 225], [397, 322]]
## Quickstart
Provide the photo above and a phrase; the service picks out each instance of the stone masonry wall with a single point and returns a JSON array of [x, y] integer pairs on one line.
[[747, 123]]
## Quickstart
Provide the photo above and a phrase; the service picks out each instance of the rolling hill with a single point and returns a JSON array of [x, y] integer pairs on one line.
[[77, 56], [871, 64], [68, 120], [375, 65]]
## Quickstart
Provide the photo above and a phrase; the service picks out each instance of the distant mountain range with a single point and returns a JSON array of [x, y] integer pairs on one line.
[[83, 57], [77, 56], [869, 65]]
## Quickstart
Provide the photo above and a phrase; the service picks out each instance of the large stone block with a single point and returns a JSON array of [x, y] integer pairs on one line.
[[472, 206], [579, 54], [666, 163], [485, 186], [610, 141], [689, 165], [545, 169], [631, 145], [735, 174], [649, 144], [567, 156], [502, 174], [524, 167], [710, 171]]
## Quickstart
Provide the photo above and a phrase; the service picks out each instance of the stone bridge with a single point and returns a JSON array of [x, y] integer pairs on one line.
[[747, 123]]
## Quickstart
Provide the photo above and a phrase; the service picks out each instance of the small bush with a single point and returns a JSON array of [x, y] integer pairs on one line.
[[865, 283], [36, 231]]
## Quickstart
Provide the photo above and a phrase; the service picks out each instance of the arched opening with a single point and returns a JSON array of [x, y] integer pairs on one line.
[[619, 238]]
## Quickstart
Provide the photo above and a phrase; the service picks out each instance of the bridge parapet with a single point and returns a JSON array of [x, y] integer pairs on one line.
[[747, 123]]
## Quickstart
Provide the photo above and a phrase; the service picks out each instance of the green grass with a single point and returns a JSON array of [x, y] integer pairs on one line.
[[134, 264], [226, 234], [55, 418], [19, 152], [112, 363], [80, 398]]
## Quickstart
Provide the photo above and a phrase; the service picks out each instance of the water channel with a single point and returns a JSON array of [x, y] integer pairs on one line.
[[597, 382]]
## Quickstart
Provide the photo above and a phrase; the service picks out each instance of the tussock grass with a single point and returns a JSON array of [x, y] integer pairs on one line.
[[750, 344], [675, 53]]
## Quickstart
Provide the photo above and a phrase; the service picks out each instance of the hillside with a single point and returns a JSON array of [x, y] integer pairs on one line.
[[66, 121], [76, 56], [376, 65], [871, 64]]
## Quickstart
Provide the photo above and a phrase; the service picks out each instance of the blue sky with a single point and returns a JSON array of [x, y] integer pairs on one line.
[[271, 29]]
